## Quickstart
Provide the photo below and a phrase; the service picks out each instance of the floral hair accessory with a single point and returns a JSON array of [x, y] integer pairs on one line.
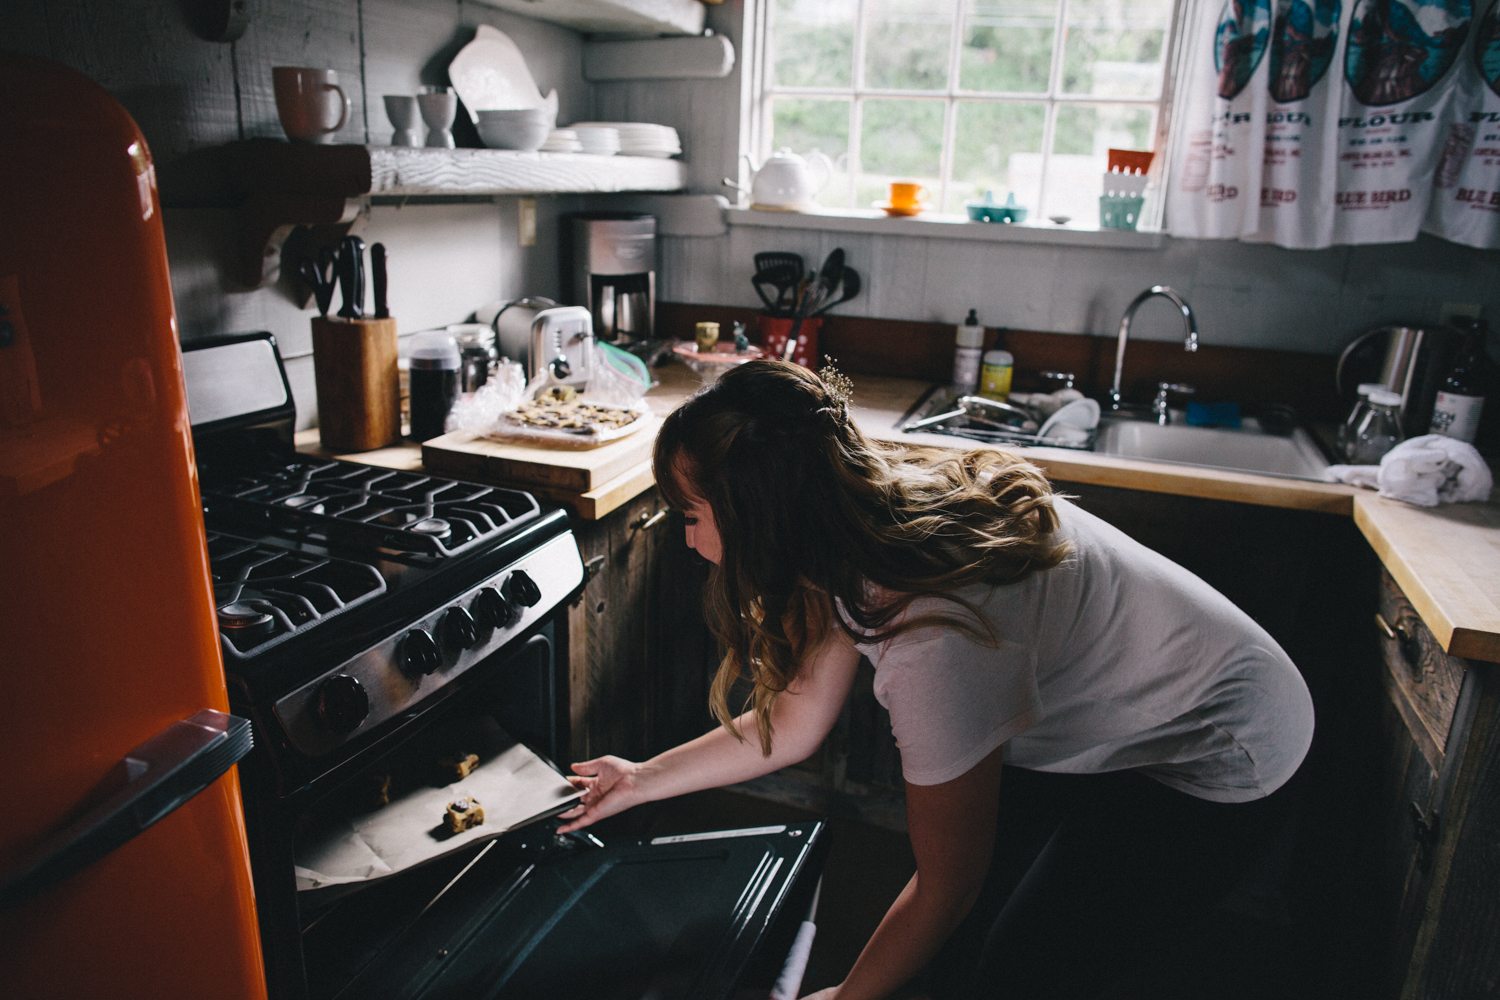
[[840, 387]]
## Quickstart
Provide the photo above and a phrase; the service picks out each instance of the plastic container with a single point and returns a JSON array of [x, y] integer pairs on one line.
[[967, 355], [1345, 433], [434, 375], [994, 377], [1379, 429]]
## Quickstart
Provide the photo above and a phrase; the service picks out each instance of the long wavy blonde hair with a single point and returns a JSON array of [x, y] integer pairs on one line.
[[811, 512]]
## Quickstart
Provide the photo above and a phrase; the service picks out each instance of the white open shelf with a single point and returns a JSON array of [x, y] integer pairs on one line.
[[637, 18], [396, 170]]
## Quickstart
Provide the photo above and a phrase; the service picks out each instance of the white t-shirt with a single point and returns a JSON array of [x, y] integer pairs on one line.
[[1115, 658]]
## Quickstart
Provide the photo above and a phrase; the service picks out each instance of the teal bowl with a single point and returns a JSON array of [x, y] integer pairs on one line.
[[980, 212]]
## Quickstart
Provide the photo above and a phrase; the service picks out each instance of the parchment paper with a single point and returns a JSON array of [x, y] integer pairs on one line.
[[514, 786]]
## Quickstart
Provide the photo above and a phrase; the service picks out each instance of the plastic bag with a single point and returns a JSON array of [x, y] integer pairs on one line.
[[488, 412]]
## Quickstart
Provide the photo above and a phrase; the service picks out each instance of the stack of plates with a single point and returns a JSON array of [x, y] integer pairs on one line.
[[642, 139], [562, 140], [598, 140]]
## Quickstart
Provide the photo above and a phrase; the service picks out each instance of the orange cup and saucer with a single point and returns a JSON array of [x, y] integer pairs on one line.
[[906, 198]]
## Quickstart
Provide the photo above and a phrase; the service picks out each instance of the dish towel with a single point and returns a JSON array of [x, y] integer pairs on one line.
[[1426, 471]]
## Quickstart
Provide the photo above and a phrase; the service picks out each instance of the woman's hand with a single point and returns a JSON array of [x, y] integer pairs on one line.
[[832, 993], [609, 785]]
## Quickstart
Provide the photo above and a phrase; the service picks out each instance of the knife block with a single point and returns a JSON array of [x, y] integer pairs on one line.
[[354, 364]]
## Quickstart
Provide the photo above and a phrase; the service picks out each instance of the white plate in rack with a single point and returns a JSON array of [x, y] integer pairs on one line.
[[490, 74]]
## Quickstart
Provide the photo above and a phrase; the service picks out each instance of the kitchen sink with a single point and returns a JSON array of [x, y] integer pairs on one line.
[[1247, 449]]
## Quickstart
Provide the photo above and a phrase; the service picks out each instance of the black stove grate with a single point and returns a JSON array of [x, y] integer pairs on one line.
[[265, 594], [403, 511]]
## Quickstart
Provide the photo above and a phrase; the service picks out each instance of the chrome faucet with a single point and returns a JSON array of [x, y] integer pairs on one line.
[[1189, 343]]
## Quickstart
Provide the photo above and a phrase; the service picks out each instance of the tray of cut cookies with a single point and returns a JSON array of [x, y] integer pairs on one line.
[[464, 783], [560, 418]]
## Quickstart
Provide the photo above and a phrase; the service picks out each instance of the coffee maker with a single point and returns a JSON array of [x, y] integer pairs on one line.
[[612, 273]]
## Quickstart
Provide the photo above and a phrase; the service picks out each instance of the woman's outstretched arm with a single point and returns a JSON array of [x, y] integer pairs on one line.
[[800, 719]]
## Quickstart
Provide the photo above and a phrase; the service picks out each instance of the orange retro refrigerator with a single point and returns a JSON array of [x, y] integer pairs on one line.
[[123, 863]]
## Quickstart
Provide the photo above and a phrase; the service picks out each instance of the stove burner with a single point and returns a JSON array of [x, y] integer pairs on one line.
[[265, 594], [245, 619], [313, 505], [404, 511]]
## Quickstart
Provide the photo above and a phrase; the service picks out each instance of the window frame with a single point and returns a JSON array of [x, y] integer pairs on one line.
[[764, 93]]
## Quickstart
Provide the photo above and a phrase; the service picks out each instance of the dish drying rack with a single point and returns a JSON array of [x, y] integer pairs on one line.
[[939, 411]]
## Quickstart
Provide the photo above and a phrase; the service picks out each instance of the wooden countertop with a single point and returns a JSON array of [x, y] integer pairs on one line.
[[1446, 559]]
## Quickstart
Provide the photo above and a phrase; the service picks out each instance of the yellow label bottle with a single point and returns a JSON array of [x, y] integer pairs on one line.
[[994, 377]]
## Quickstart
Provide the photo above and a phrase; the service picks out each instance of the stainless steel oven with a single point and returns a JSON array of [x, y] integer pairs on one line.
[[399, 642]]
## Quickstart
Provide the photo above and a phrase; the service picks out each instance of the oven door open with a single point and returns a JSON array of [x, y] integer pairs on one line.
[[697, 916], [530, 913]]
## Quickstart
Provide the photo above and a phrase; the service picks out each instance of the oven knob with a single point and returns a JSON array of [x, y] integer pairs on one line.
[[491, 610], [459, 630], [342, 703], [419, 653], [522, 589]]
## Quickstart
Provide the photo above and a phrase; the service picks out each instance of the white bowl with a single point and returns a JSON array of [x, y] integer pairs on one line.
[[513, 134], [516, 115]]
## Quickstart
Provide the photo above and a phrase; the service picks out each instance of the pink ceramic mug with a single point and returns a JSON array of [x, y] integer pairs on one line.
[[305, 103]]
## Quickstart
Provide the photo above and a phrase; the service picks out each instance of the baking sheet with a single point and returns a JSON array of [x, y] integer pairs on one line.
[[346, 848]]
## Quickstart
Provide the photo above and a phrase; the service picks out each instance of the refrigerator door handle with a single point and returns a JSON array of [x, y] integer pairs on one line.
[[158, 776]]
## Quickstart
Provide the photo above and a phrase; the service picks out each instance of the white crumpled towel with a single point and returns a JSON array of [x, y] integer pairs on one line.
[[1426, 471]]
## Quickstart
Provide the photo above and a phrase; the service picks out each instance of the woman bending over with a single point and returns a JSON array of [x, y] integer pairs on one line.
[[1088, 732]]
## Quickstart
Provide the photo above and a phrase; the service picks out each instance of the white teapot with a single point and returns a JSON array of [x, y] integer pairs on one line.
[[784, 182]]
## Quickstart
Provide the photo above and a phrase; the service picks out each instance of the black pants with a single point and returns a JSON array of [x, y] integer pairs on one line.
[[1090, 874]]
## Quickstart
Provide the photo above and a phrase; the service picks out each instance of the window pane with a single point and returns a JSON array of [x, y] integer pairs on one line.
[[899, 141], [812, 43], [1114, 47], [997, 146], [805, 125], [1080, 153], [1008, 45], [906, 44]]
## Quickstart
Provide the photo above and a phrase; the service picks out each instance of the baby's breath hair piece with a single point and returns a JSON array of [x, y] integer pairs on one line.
[[840, 386]]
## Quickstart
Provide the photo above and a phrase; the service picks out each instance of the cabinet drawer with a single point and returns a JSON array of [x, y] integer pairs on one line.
[[1423, 681]]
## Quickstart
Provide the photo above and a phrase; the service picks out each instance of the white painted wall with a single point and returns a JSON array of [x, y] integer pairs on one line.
[[1244, 295]]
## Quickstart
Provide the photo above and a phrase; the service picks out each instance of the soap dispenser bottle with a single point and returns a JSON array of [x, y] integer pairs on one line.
[[967, 355]]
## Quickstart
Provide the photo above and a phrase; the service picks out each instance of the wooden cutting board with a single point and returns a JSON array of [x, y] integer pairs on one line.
[[467, 456]]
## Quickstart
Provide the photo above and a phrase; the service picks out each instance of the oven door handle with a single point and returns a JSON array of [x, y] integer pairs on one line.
[[156, 777]]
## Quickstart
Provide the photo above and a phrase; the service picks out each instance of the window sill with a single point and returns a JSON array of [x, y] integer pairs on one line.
[[953, 227]]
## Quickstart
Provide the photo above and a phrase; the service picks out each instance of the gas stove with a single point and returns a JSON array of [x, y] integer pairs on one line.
[[351, 598]]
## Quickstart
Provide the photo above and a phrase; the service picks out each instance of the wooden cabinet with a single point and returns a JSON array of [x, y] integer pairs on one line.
[[1433, 874], [640, 656]]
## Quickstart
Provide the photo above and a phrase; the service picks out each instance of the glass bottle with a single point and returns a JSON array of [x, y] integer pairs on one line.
[[1379, 429], [1345, 433], [1461, 398]]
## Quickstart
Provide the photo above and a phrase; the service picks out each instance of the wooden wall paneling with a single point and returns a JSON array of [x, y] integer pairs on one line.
[[320, 33], [408, 43], [554, 55], [177, 87], [704, 112]]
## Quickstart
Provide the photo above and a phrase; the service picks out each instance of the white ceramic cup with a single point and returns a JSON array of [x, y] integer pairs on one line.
[[439, 107], [402, 111], [310, 102]]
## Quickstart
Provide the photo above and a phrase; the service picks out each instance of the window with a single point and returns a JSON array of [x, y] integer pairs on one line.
[[1022, 96]]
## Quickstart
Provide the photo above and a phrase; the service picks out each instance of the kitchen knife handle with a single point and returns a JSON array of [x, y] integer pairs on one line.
[[352, 277], [158, 776], [378, 278]]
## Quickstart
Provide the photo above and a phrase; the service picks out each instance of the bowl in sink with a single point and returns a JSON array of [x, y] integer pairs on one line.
[[1248, 449]]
